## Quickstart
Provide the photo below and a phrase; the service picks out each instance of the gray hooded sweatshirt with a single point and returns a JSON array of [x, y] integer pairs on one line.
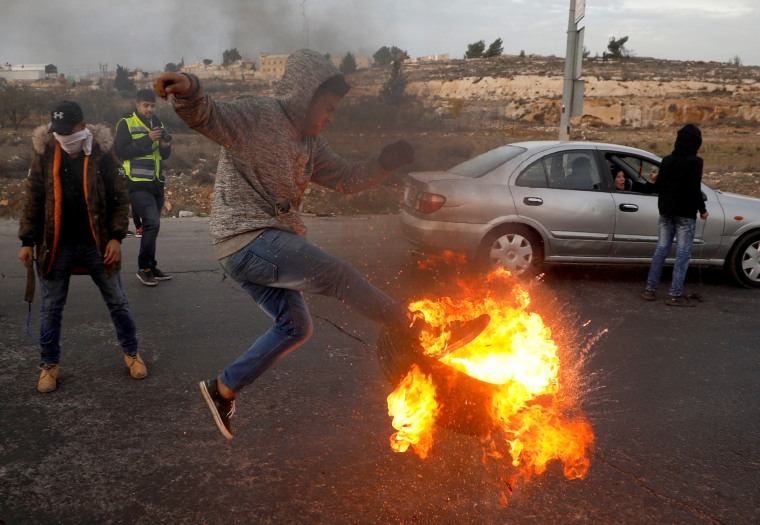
[[266, 163]]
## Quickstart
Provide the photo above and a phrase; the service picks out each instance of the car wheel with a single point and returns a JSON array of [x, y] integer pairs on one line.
[[515, 248], [744, 263]]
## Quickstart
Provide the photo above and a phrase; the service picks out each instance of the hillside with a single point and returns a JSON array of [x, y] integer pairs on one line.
[[458, 109]]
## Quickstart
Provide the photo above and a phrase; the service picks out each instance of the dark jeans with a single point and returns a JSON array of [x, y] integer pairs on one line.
[[148, 207], [55, 289], [274, 269]]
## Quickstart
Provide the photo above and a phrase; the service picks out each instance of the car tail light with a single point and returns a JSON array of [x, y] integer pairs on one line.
[[429, 202]]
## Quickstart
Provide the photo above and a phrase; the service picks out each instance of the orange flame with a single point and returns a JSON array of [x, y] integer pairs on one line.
[[445, 257], [414, 409], [519, 357]]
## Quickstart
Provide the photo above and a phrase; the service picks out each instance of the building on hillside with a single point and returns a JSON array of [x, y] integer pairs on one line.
[[272, 66], [28, 72], [443, 57], [240, 69]]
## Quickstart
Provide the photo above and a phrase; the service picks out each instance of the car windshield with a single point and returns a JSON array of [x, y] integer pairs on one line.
[[482, 164]]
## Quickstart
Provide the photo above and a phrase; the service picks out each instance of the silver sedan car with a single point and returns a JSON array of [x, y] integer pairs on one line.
[[531, 203]]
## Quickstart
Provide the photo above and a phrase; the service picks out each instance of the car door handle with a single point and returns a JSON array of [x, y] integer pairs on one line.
[[628, 207], [533, 201]]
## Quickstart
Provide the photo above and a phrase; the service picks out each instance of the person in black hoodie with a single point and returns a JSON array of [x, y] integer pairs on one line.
[[680, 198]]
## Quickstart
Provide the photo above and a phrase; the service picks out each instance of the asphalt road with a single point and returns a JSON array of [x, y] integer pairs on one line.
[[672, 395]]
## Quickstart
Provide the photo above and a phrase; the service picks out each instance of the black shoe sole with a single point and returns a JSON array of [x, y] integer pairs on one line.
[[475, 328], [146, 283], [214, 412]]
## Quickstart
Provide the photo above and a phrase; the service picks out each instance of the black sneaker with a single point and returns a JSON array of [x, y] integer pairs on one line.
[[158, 275], [146, 277], [647, 295], [221, 409], [678, 300], [462, 332]]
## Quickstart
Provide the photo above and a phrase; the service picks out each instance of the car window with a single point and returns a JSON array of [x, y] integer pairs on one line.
[[570, 170], [638, 171], [486, 162], [534, 176]]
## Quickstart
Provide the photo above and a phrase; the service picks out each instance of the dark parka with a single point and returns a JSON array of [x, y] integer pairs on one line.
[[105, 194]]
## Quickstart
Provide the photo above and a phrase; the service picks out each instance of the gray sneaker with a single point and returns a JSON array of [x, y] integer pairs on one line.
[[146, 277], [678, 300], [158, 275]]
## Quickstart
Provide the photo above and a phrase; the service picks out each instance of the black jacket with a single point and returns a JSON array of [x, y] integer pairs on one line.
[[679, 183]]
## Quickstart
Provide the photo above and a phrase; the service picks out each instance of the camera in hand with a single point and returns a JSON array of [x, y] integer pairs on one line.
[[164, 134]]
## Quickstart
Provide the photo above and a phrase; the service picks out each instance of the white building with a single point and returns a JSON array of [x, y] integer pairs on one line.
[[28, 72]]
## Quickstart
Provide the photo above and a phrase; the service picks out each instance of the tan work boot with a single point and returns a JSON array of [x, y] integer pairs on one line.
[[48, 380], [137, 368]]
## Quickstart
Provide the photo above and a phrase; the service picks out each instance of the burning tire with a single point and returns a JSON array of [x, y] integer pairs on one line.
[[464, 401]]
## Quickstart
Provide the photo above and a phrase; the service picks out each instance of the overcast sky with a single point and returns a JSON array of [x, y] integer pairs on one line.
[[78, 35]]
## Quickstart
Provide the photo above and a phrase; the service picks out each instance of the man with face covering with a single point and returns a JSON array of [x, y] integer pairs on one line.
[[679, 199], [75, 214], [272, 149]]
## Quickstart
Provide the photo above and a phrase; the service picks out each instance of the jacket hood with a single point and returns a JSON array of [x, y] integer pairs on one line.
[[305, 71], [688, 140], [101, 135]]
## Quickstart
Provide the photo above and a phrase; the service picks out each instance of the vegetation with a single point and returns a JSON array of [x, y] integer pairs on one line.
[[122, 82], [230, 56], [617, 47], [348, 64], [495, 49], [385, 55], [392, 92], [476, 49]]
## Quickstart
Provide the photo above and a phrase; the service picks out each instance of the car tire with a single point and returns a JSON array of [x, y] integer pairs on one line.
[[744, 261], [464, 401], [515, 248]]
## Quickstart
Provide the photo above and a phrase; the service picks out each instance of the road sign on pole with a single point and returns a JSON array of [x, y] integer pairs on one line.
[[580, 10]]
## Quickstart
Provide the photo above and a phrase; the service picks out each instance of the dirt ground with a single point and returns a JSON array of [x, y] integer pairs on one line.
[[732, 162]]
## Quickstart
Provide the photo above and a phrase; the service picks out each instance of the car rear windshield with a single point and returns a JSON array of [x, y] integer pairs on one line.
[[488, 161]]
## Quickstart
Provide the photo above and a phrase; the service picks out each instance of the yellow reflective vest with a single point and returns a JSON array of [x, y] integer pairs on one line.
[[145, 168]]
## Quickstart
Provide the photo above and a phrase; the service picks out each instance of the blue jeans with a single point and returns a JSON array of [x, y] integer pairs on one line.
[[682, 228], [55, 289], [275, 268], [147, 206]]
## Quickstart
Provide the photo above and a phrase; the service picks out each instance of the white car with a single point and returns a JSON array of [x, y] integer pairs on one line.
[[531, 203]]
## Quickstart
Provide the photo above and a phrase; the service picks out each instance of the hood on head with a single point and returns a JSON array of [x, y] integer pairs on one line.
[[305, 71], [688, 140]]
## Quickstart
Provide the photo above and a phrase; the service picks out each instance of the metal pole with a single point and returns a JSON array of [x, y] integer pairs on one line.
[[567, 90]]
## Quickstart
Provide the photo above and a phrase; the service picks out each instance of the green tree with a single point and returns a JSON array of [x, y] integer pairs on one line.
[[392, 92], [476, 49], [736, 61], [385, 55], [171, 67], [122, 82], [348, 64], [230, 55], [617, 47], [207, 61], [495, 49]]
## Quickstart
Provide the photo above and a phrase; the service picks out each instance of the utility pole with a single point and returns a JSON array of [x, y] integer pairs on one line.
[[572, 91], [305, 24]]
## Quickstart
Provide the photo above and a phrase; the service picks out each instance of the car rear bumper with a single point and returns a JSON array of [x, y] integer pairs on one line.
[[439, 235]]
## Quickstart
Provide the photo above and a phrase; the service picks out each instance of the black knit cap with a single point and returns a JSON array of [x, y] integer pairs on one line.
[[64, 116]]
